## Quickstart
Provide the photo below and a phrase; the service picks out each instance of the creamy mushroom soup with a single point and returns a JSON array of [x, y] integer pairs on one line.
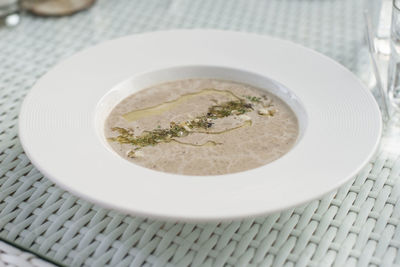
[[202, 127]]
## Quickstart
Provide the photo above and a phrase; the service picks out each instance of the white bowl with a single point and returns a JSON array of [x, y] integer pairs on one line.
[[62, 123]]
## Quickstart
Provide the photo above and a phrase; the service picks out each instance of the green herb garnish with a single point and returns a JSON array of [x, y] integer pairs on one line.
[[253, 99], [182, 129]]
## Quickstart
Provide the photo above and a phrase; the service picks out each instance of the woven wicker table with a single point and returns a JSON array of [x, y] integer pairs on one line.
[[357, 225]]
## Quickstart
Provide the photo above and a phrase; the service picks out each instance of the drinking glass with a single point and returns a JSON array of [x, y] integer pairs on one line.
[[394, 61], [380, 14]]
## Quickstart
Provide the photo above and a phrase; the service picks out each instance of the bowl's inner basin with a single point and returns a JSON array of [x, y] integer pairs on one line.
[[201, 126]]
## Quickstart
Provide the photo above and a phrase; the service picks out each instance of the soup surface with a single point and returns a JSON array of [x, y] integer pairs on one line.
[[201, 127]]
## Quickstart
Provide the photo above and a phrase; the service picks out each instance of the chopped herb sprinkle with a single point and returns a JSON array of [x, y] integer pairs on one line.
[[253, 99], [182, 129]]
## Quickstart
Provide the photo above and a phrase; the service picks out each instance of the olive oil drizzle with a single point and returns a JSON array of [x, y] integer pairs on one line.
[[159, 109], [208, 143], [200, 124], [246, 123]]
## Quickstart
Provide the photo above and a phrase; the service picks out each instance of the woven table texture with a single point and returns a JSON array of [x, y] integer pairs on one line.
[[13, 257], [357, 225]]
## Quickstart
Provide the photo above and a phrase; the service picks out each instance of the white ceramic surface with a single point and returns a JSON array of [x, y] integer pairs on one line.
[[61, 123]]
